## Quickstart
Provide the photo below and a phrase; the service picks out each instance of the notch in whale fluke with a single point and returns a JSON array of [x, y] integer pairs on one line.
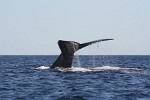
[[68, 48]]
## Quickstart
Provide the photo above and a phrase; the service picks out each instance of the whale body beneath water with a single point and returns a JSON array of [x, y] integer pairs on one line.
[[68, 48]]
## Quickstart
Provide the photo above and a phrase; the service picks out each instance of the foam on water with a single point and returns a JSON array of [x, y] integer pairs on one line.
[[42, 68], [74, 69], [103, 68], [119, 69], [96, 69]]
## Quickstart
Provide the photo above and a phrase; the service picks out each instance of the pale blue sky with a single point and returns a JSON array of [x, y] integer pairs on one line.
[[33, 27]]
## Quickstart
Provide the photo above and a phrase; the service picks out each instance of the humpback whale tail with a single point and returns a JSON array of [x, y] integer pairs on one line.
[[68, 48]]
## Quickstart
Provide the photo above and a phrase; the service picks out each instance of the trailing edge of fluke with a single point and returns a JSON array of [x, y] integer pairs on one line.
[[68, 48]]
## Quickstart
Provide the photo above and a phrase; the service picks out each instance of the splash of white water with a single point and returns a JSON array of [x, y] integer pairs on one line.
[[42, 68], [98, 69], [103, 68]]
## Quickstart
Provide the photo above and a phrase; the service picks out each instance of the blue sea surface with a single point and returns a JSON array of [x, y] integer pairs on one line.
[[91, 78]]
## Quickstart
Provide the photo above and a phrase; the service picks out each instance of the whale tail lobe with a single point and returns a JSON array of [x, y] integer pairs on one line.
[[68, 48]]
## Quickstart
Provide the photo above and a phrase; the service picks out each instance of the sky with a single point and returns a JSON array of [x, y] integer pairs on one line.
[[33, 27]]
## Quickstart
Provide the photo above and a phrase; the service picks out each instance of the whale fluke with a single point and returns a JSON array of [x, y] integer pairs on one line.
[[68, 48]]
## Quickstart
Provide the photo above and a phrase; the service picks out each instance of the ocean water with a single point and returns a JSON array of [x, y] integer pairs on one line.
[[90, 78]]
